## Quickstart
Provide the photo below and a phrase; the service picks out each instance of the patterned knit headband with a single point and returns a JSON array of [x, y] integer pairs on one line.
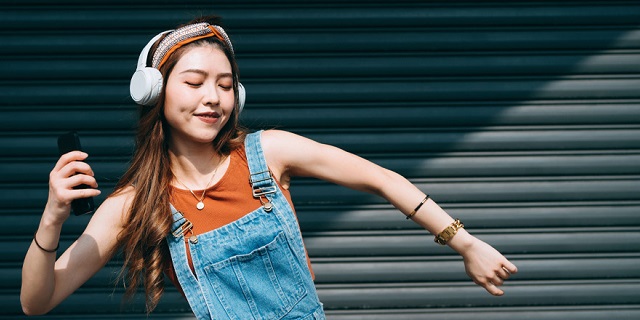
[[186, 35]]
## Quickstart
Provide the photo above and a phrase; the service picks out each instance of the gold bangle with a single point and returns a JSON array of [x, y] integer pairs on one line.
[[448, 233], [413, 213]]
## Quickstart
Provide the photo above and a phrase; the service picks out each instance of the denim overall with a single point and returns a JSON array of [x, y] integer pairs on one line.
[[252, 268]]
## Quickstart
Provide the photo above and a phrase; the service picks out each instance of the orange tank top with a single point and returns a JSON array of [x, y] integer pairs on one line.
[[226, 201]]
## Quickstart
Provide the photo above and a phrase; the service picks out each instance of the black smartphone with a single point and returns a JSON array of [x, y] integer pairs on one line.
[[66, 143]]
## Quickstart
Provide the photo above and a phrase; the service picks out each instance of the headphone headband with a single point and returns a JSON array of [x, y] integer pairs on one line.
[[185, 35]]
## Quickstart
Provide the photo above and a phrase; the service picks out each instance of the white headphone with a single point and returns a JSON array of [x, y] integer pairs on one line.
[[146, 82]]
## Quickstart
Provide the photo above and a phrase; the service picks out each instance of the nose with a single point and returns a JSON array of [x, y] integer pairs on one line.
[[210, 95]]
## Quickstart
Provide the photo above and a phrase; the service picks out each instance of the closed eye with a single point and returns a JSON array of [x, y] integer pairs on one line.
[[193, 84]]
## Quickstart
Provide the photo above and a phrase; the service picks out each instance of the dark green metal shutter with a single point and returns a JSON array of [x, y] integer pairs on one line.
[[522, 118]]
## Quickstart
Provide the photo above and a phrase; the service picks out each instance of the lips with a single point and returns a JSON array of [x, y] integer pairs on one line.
[[212, 114], [208, 117]]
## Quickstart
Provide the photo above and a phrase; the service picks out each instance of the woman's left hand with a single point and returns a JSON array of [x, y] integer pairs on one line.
[[486, 266]]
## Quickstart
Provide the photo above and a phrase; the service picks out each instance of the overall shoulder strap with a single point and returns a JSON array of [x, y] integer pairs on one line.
[[260, 177], [177, 248], [180, 224]]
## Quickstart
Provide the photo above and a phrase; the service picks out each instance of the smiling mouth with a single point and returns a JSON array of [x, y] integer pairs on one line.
[[210, 115]]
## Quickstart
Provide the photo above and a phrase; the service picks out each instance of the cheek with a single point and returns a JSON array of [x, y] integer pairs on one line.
[[175, 99], [172, 92], [230, 98]]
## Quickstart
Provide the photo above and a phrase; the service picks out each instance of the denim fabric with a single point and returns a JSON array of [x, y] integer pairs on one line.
[[253, 268]]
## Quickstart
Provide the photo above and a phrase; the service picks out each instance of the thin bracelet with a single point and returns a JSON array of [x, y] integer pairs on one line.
[[413, 213], [43, 249]]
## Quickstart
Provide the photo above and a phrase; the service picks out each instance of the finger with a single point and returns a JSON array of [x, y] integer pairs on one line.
[[85, 193], [76, 167], [503, 273], [80, 179], [63, 190], [497, 281], [510, 267], [491, 288], [68, 157]]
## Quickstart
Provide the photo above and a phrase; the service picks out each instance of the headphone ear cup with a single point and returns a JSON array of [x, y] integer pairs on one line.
[[242, 97], [145, 86]]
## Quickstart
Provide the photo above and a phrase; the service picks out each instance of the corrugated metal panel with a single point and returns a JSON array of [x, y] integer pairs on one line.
[[520, 117]]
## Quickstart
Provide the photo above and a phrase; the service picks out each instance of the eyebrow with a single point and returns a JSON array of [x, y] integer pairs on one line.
[[204, 73]]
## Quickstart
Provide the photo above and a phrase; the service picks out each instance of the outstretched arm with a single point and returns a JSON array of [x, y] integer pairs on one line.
[[292, 155]]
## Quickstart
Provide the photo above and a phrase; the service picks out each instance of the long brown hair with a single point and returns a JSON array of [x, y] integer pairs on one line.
[[148, 222]]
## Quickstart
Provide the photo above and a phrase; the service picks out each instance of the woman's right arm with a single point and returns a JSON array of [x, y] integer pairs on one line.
[[47, 282]]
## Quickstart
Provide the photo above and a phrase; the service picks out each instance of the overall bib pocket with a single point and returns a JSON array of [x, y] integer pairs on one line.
[[263, 284]]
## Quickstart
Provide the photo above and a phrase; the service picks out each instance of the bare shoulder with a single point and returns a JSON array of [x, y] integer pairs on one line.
[[113, 211], [275, 137], [283, 145], [284, 151], [284, 141]]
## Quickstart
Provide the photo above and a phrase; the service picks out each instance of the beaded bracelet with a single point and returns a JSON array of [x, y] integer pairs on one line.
[[43, 249], [413, 213]]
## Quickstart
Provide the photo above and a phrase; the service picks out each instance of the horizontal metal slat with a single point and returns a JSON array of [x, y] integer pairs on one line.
[[397, 65], [360, 91], [298, 15], [388, 244], [414, 296], [421, 269], [436, 65], [618, 312], [122, 118], [376, 244], [393, 296], [469, 296], [478, 191], [352, 42], [529, 215], [388, 141], [427, 269], [442, 90], [90, 302], [25, 171], [481, 140], [434, 271], [38, 171], [439, 40], [28, 197], [371, 218]]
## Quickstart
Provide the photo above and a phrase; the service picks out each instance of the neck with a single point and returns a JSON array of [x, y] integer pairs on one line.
[[194, 167]]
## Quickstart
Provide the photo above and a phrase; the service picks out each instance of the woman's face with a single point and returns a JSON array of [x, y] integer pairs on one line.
[[199, 96]]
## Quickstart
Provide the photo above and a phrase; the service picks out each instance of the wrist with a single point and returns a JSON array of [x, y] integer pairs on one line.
[[53, 217], [47, 236], [461, 242], [449, 232]]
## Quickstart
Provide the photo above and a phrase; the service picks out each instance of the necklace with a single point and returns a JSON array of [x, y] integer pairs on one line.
[[200, 204]]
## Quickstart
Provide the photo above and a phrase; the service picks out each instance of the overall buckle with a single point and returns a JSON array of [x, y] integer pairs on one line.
[[182, 229], [262, 183]]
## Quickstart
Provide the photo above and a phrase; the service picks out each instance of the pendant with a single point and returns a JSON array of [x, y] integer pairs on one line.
[[200, 205]]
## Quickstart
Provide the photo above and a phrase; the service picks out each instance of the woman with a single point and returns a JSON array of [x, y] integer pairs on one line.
[[208, 203]]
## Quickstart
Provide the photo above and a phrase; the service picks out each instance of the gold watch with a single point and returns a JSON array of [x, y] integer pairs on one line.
[[448, 233]]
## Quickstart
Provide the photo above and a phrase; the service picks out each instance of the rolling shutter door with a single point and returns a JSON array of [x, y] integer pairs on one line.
[[522, 118]]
